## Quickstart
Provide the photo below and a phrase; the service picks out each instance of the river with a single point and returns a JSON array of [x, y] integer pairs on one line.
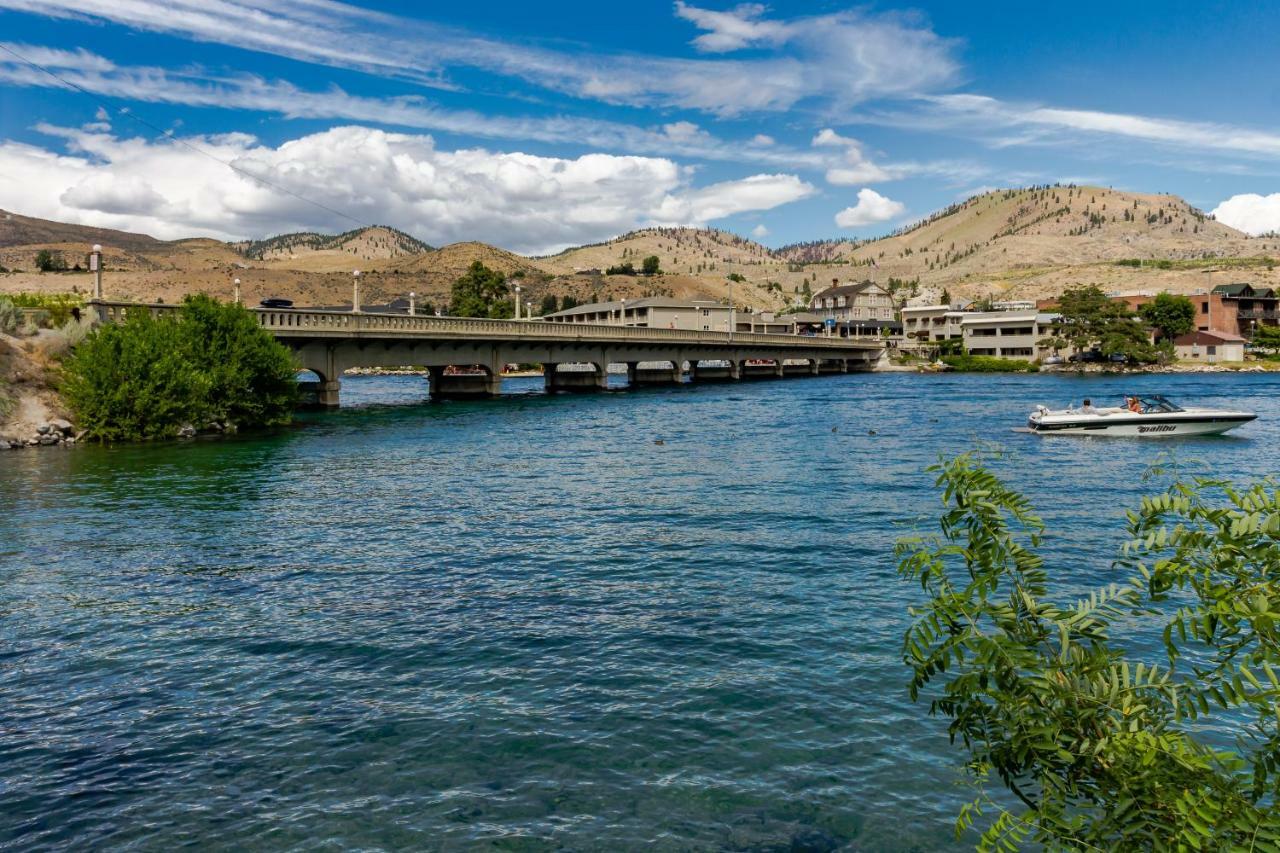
[[667, 619]]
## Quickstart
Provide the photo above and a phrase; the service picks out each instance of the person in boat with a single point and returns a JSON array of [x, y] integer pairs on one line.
[[1133, 404], [1087, 408]]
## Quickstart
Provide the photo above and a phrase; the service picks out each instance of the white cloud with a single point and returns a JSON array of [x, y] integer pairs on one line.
[[1050, 124], [763, 140], [760, 232], [836, 59], [250, 92], [1250, 213], [870, 209], [828, 137], [516, 200], [758, 192], [733, 30]]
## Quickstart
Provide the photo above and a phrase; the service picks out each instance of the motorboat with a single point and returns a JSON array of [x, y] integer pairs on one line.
[[1149, 416]]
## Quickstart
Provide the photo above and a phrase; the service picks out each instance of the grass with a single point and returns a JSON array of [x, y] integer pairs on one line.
[[988, 364], [1196, 263]]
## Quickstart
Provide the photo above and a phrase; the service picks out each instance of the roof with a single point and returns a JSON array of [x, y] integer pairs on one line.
[[1207, 337], [645, 302], [847, 289], [1243, 289]]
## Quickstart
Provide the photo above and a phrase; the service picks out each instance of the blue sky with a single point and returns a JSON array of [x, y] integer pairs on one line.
[[537, 126]]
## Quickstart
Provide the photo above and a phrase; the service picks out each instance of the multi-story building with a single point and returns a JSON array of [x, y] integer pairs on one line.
[[655, 312], [865, 304], [1235, 309], [932, 323], [1007, 334]]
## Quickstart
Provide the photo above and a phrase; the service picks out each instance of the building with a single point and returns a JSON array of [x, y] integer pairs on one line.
[[655, 312], [1209, 347], [1007, 334], [932, 323], [1235, 309], [866, 305]]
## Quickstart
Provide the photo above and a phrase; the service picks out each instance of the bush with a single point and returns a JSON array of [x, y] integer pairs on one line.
[[10, 317], [148, 377], [988, 364], [1104, 749], [59, 305], [621, 269]]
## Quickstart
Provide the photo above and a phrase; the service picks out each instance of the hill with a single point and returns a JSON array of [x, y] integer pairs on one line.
[[376, 242], [19, 230], [1011, 244]]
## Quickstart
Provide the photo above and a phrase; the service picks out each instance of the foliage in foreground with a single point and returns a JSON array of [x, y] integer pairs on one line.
[[1106, 750], [481, 292], [988, 364], [148, 377]]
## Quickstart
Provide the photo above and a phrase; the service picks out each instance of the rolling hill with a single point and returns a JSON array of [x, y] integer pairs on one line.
[[1013, 244]]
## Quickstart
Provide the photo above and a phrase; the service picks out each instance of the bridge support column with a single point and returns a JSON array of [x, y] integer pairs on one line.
[[815, 366], [673, 375], [463, 386], [575, 380], [713, 373]]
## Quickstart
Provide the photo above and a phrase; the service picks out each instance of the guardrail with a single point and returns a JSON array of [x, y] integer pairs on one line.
[[306, 321]]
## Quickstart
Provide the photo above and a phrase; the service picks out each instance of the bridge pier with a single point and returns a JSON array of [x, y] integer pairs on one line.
[[322, 394], [764, 371], [463, 386], [638, 376], [714, 373], [555, 380]]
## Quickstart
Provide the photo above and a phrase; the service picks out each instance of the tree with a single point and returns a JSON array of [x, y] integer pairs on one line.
[[736, 277], [568, 302], [1267, 337], [1169, 315], [946, 296], [649, 266], [47, 261], [148, 377], [1104, 749], [621, 269], [548, 305], [1090, 319], [480, 292]]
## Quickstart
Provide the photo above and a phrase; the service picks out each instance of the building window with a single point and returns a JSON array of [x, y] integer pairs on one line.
[[1204, 307], [840, 302], [706, 312], [706, 328], [1211, 349]]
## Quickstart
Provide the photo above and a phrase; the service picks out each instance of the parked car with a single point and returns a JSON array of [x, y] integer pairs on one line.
[[1088, 356], [273, 302], [1118, 358], [1053, 359]]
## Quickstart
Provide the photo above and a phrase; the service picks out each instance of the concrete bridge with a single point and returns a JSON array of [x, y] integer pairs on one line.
[[328, 343]]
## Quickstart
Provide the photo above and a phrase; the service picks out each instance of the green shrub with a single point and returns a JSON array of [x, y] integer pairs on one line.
[[1103, 747], [59, 305], [988, 364], [148, 377], [9, 317]]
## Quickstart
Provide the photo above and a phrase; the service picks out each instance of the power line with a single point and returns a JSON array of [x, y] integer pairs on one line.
[[168, 134]]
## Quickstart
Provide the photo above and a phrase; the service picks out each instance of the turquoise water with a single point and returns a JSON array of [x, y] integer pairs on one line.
[[522, 623]]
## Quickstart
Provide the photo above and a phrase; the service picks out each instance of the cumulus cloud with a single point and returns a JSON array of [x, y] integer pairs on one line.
[[870, 209], [1250, 213], [760, 232], [758, 192], [520, 201], [836, 59]]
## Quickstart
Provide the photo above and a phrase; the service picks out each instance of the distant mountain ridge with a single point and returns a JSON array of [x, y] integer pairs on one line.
[[374, 241]]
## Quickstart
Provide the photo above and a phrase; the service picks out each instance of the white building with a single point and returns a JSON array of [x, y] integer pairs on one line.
[[1210, 347], [932, 323], [865, 303], [1007, 334], [655, 312]]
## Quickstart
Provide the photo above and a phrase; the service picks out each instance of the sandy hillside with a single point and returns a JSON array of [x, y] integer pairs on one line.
[[1014, 244]]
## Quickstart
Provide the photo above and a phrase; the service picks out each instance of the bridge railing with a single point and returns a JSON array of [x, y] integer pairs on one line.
[[304, 321]]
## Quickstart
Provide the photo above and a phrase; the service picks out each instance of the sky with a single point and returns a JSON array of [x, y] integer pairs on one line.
[[540, 126]]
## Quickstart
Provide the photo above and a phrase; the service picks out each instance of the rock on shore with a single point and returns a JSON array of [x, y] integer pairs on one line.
[[31, 411]]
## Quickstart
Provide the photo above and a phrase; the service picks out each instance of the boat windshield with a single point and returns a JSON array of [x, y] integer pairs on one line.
[[1156, 404]]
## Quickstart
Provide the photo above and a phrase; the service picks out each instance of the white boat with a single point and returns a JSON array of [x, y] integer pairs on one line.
[[1150, 416]]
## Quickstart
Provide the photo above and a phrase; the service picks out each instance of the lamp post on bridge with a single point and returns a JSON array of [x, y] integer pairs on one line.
[[517, 289], [412, 306], [732, 319], [95, 266], [355, 292], [528, 309], [235, 292]]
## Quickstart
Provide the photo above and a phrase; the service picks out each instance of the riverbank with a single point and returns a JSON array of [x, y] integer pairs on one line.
[[32, 412]]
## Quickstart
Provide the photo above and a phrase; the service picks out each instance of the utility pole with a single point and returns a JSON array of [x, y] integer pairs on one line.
[[95, 266]]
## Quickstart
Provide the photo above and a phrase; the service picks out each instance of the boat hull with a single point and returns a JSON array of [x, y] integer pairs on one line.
[[1141, 426]]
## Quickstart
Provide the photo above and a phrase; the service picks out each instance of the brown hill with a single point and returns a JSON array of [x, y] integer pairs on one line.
[[1015, 244], [18, 230]]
